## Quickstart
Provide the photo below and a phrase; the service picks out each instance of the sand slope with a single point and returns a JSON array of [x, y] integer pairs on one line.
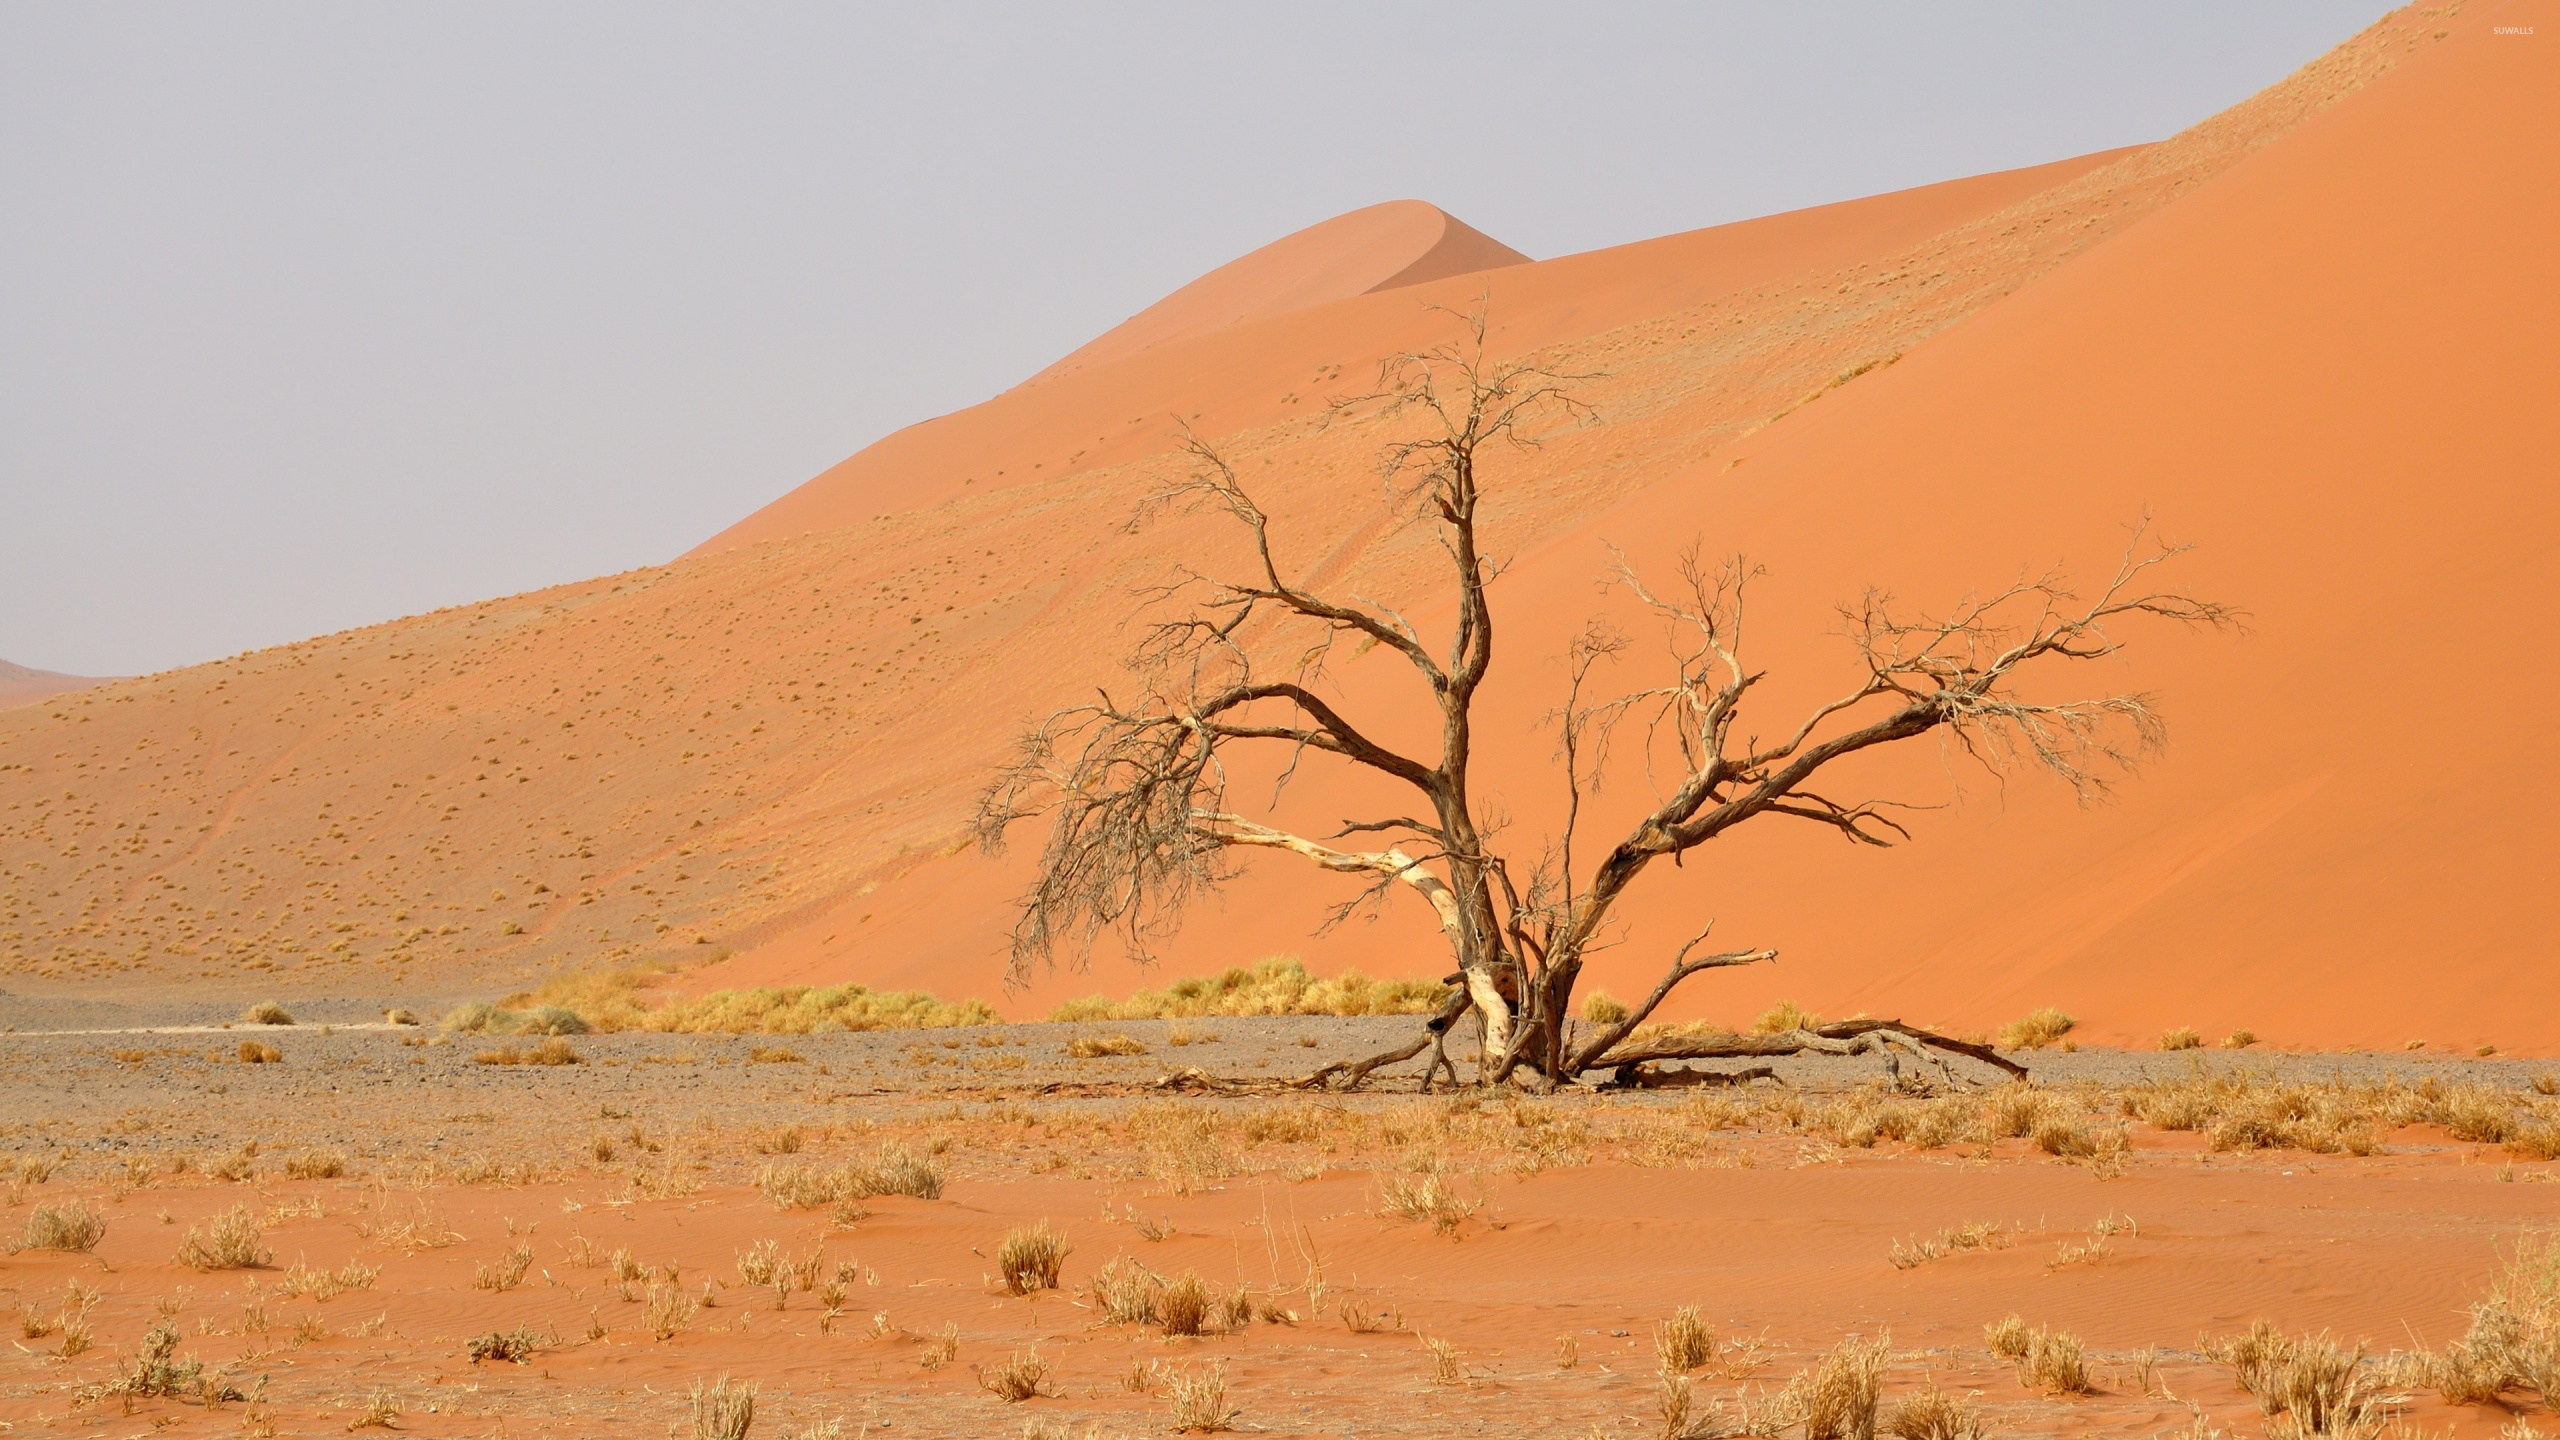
[[22, 686], [1379, 247], [2294, 329]]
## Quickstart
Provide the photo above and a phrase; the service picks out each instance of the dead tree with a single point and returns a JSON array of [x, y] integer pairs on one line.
[[1136, 789]]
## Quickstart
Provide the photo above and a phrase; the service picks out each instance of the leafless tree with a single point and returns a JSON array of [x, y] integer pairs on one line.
[[1136, 789]]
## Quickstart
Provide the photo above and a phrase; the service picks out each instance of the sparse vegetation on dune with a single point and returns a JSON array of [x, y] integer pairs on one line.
[[2036, 1029], [627, 999], [1279, 985]]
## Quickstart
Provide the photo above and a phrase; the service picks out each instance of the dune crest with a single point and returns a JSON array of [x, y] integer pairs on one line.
[[1377, 247], [20, 685]]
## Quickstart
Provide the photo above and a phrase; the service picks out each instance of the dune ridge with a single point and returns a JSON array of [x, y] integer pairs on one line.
[[20, 685]]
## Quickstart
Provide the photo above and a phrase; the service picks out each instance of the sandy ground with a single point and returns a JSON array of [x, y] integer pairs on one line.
[[1631, 1206]]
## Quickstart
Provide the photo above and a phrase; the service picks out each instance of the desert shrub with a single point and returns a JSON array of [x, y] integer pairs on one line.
[[2036, 1029], [1094, 1047], [1784, 1016], [1602, 1008], [1278, 985], [73, 1226], [773, 1055], [229, 1241], [1839, 1394], [1126, 1293], [157, 1370], [399, 1015], [2182, 1038], [317, 1165], [1933, 1414], [2057, 1362], [1030, 1259], [507, 1274], [253, 1052], [268, 1012], [2474, 1112], [2009, 1338], [2535, 1140], [1200, 1400], [1018, 1379], [2240, 1039], [2016, 1108], [724, 1410], [1186, 1306], [553, 1051], [1684, 1342], [671, 1308], [516, 1346], [1426, 1197]]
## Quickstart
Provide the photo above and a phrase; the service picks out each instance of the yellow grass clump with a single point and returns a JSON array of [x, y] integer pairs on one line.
[[2182, 1038], [1279, 985], [2035, 1029], [626, 999], [268, 1012], [1095, 1047], [1030, 1258], [229, 1241], [1782, 1017], [76, 1226]]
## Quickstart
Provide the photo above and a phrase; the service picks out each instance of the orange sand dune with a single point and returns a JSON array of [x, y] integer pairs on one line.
[[1381, 247], [2330, 368], [2294, 329], [22, 686]]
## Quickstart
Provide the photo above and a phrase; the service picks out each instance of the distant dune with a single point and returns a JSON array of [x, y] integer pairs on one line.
[[22, 686], [2309, 334], [1382, 247]]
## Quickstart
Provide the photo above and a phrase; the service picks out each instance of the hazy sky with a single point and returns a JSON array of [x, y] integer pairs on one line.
[[315, 315]]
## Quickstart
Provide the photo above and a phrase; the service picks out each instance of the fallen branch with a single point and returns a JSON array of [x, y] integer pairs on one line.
[[1841, 1037]]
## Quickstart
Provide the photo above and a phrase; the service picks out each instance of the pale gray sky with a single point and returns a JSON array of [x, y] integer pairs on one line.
[[312, 315]]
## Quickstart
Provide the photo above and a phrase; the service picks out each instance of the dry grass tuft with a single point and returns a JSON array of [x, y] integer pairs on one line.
[[267, 1012], [1445, 1369], [1933, 1414], [1018, 1379], [514, 1346], [1200, 1400], [2514, 1339], [317, 1165], [671, 1309], [229, 1241], [2240, 1039], [74, 1226], [507, 1274], [1782, 1017], [2035, 1029], [1030, 1259], [1426, 1197], [1095, 1047], [1185, 1306], [725, 1410], [1602, 1008], [1980, 1235], [1279, 985], [2182, 1038], [1841, 1391], [253, 1052], [378, 1412], [1684, 1342], [553, 1051]]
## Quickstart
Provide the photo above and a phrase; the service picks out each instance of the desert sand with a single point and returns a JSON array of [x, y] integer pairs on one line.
[[2309, 335], [20, 685]]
